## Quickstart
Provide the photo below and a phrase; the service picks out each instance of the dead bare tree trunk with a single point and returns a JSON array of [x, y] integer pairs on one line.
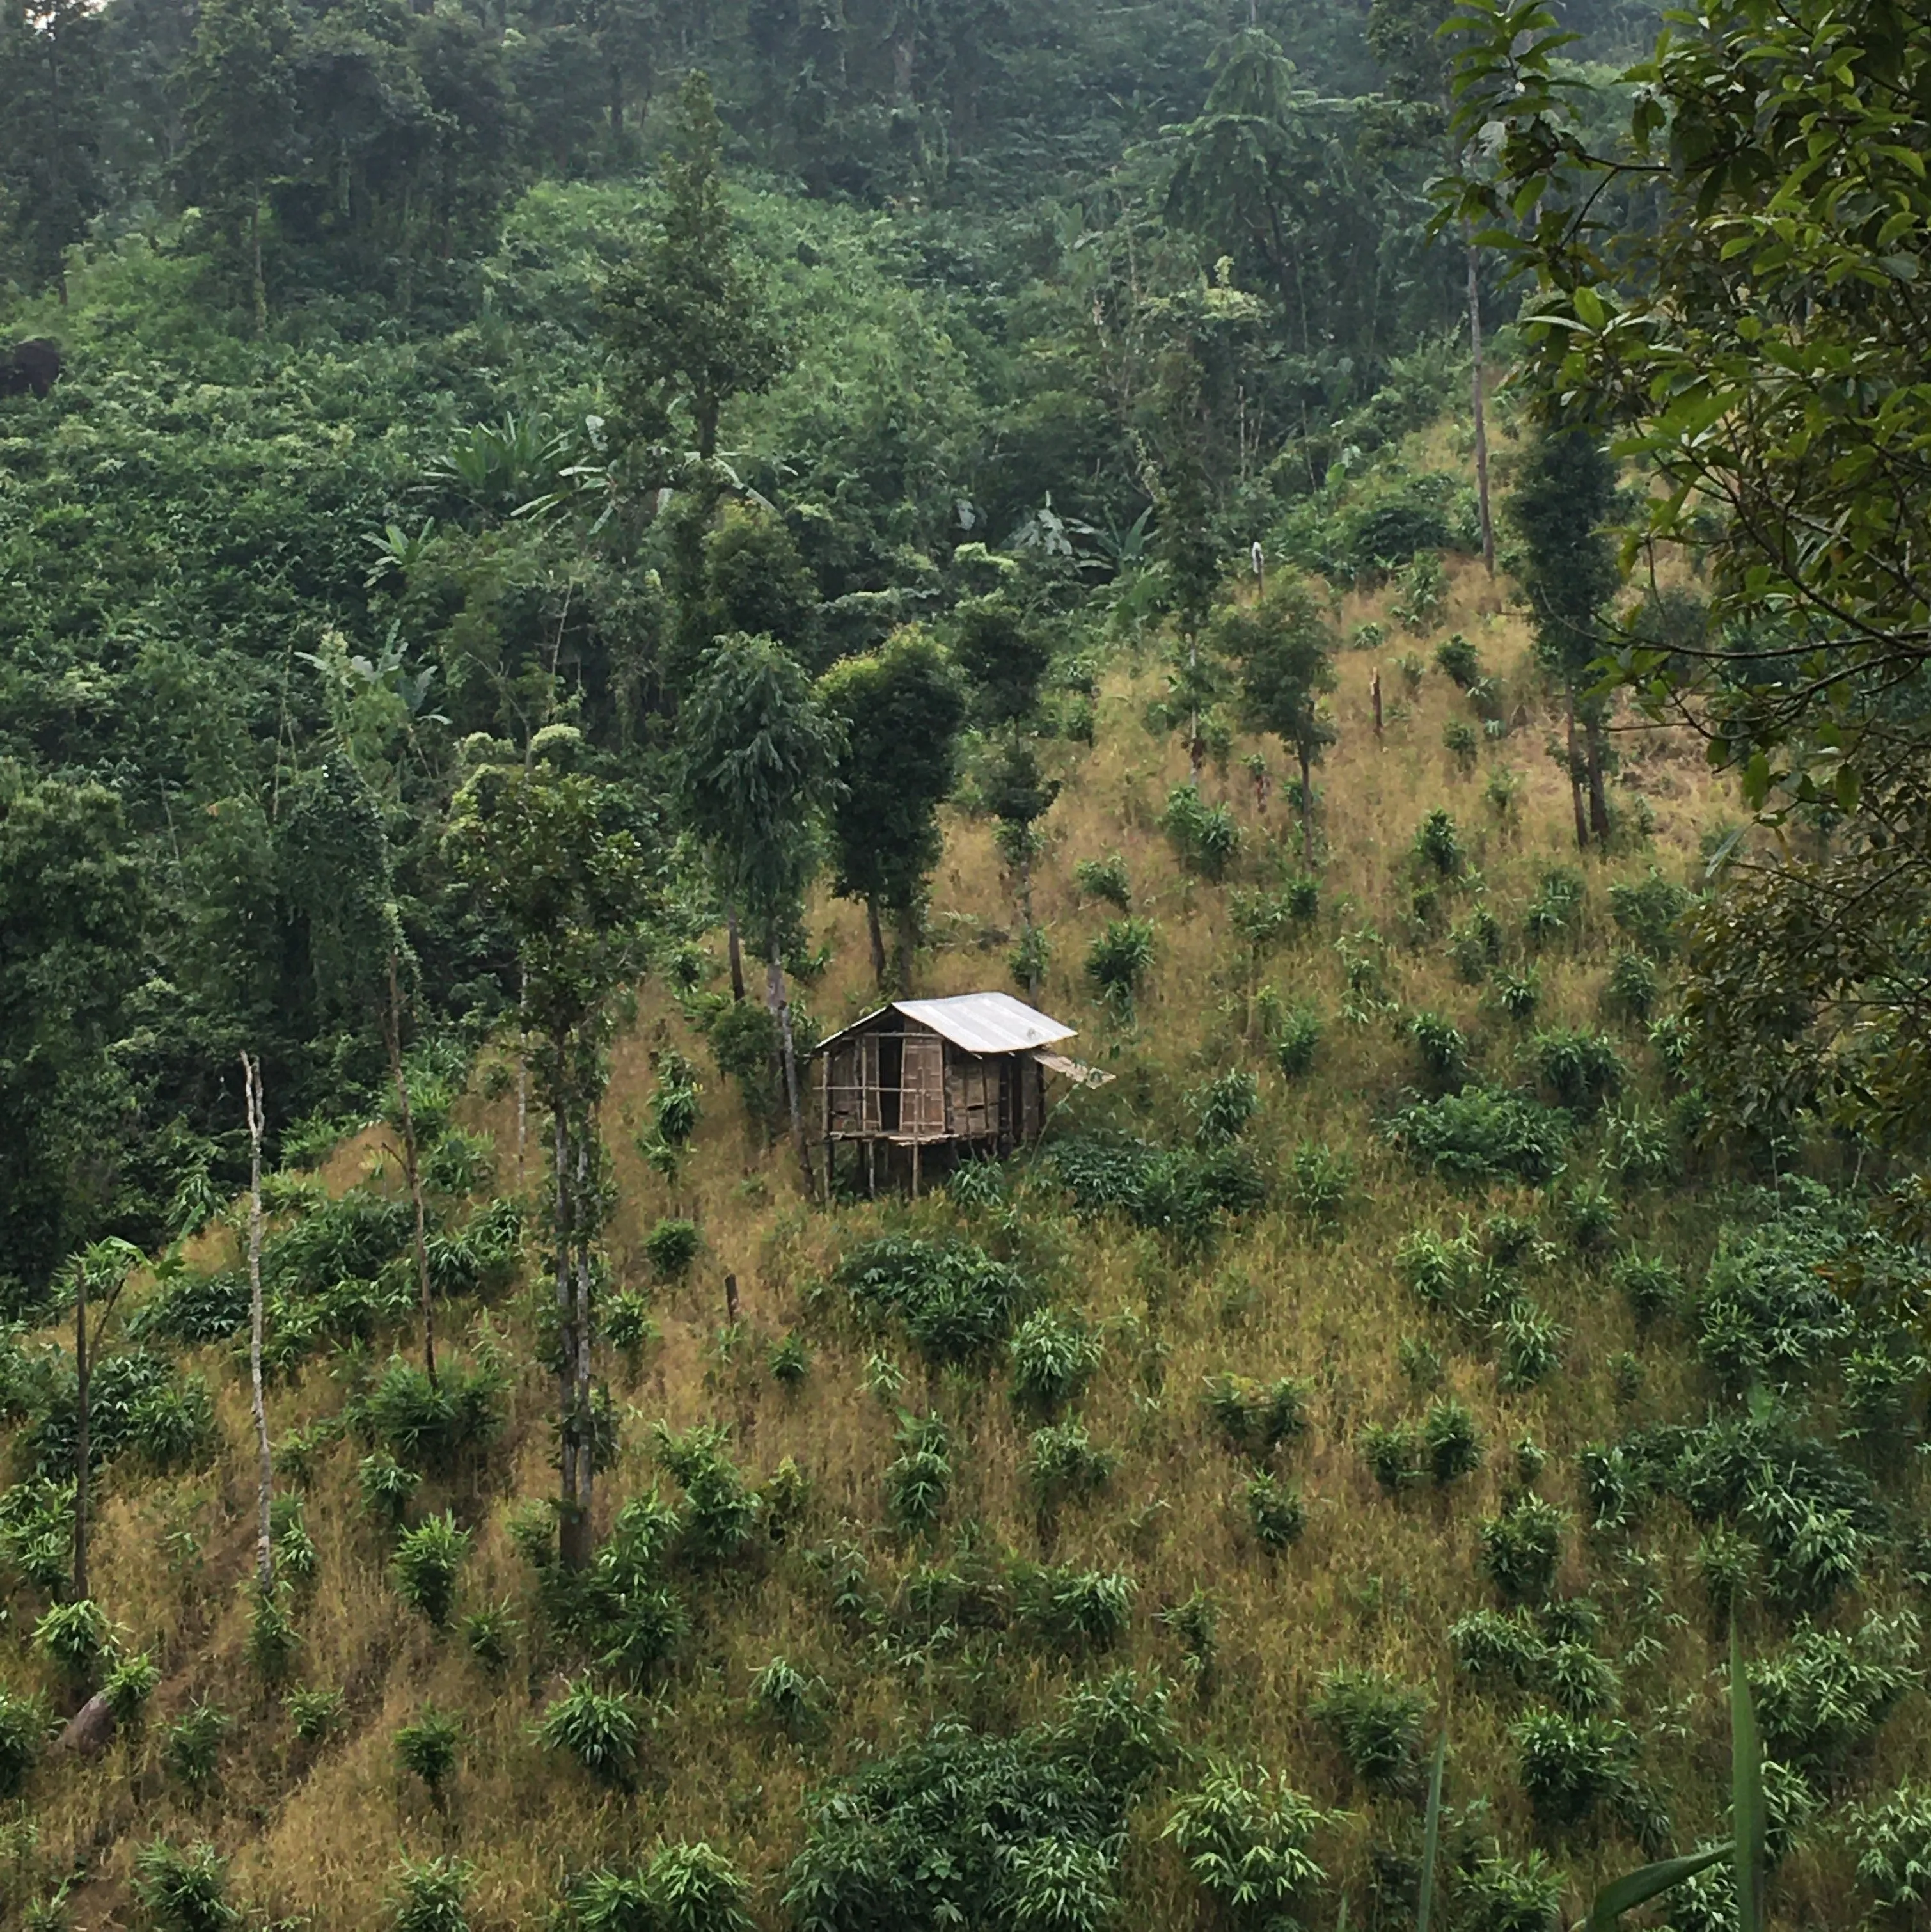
[[1481, 406], [265, 1466], [781, 1009], [411, 1169]]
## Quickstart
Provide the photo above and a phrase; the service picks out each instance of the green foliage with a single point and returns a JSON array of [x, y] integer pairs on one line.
[[1376, 1723], [74, 1637], [184, 1889], [601, 1729], [23, 1732], [1206, 838], [1478, 1137], [1823, 1697], [670, 1247], [1077, 1612], [427, 1565], [1522, 1548], [971, 1827], [1442, 1048], [1581, 1071], [1893, 1837], [1458, 739], [918, 1484], [434, 1425], [1632, 989], [1319, 1183], [957, 1303], [789, 1362], [685, 1888], [784, 1695], [128, 1685], [491, 1634], [721, 1509], [1275, 1513], [1053, 1357], [315, 1715], [384, 1487], [1393, 1454], [191, 1746], [1255, 1418], [1245, 1839], [1451, 1447], [1459, 660], [1297, 1041], [1062, 1466], [427, 1748], [1105, 879], [1438, 848], [273, 1642], [1650, 911], [1223, 1109], [1568, 1766], [431, 1895], [1504, 1895]]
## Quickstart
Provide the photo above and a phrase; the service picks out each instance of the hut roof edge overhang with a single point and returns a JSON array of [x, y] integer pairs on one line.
[[975, 1022]]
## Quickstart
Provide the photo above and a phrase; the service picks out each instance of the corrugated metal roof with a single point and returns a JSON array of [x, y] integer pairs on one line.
[[978, 1022], [986, 1022]]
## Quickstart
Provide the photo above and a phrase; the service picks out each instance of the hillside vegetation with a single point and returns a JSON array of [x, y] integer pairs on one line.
[[1365, 1451]]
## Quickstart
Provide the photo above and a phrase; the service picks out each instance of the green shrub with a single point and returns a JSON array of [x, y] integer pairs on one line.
[[784, 1695], [1530, 1347], [428, 1563], [1650, 911], [918, 1485], [674, 1108], [1519, 995], [1568, 1766], [1582, 1071], [721, 1509], [295, 1555], [629, 1329], [1583, 1683], [1475, 945], [1478, 1136], [1252, 1416], [789, 1362], [600, 1729], [1496, 1649], [1319, 1181], [1063, 1466], [1119, 960], [671, 1247], [183, 1890], [1893, 1837], [1555, 912], [1376, 1723], [1651, 1287], [1822, 1699], [426, 1749], [1263, 918], [957, 1303], [1075, 1611], [1054, 1357], [1223, 1109], [1503, 1894], [1640, 1148], [1299, 1041], [1245, 1839], [1632, 989], [1275, 1513], [386, 1487], [1206, 838], [191, 1747], [743, 1040], [685, 1888], [1459, 660], [1442, 1048], [315, 1715], [1105, 879], [1460, 740], [427, 1425], [491, 1634], [1451, 1448], [128, 1685], [1589, 1218], [73, 1637], [1438, 848], [23, 1727], [431, 1895], [1522, 1548], [273, 1642], [1393, 1454]]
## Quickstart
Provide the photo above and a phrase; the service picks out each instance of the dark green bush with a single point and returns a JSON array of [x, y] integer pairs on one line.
[[670, 1247], [1823, 1697], [1581, 1071], [184, 1889], [1224, 1107], [1478, 1136], [721, 1509], [1442, 1048], [1555, 912], [1275, 1513], [1053, 1357], [1206, 838], [1105, 879], [1298, 1042], [1568, 1766], [1394, 1454], [431, 1895], [1522, 1548], [1119, 960], [426, 1749], [1376, 1723], [1632, 989], [191, 1746], [428, 1563], [601, 1730], [433, 1425], [23, 1727], [1063, 1466], [1451, 1448], [1075, 1612], [685, 1888], [1245, 1840], [1252, 1416], [1650, 911], [919, 1483], [1459, 660], [957, 1303], [1438, 848]]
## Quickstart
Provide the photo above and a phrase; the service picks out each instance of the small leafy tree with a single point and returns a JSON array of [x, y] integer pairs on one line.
[[428, 1562], [1245, 1840], [1283, 645], [184, 1890]]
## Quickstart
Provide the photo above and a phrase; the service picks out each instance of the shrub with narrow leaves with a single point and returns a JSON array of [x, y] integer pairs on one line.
[[1477, 1136], [957, 1303], [183, 1888], [431, 1895], [1581, 1071], [73, 1637], [1393, 1454], [1119, 960], [1253, 1418], [919, 1482], [1063, 1466], [1375, 1722], [1206, 838], [1318, 1183], [1246, 1838], [1275, 1513], [784, 1695], [1438, 848], [129, 1684], [1823, 1698], [1075, 1611], [670, 1247], [1497, 1650], [721, 1509], [23, 1727], [384, 1487], [1505, 1894], [1521, 1547], [601, 1729], [1053, 1357], [314, 1715], [1451, 1448], [1105, 879], [426, 1749], [1223, 1109], [191, 1747], [491, 1634], [1893, 1837], [427, 1565], [1297, 1041], [1568, 1766]]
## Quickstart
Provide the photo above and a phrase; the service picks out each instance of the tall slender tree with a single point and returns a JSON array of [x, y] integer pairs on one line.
[[265, 1466], [563, 855], [97, 1277], [900, 709], [759, 764]]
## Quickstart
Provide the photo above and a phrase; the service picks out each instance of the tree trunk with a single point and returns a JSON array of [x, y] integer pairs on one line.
[[1575, 779], [908, 945], [781, 1008], [1599, 802], [587, 1459], [736, 946], [80, 1443], [411, 1169], [1307, 805], [265, 1466], [570, 1542], [874, 933], [261, 286], [1481, 406]]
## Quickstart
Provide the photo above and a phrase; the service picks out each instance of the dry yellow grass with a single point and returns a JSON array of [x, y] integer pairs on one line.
[[316, 1831]]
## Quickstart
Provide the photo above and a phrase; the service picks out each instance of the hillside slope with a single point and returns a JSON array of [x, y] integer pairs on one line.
[[1528, 1324]]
